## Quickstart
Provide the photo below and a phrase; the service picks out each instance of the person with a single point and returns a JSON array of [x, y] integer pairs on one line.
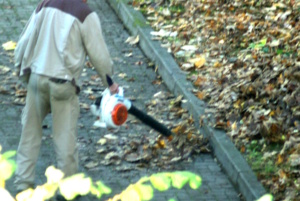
[[50, 56]]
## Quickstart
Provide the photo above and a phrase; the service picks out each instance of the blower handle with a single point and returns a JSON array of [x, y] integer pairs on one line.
[[148, 120], [109, 80]]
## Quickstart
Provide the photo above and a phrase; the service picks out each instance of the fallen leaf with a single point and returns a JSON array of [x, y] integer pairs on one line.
[[280, 159], [91, 165], [111, 137], [201, 95], [133, 40], [112, 155], [191, 48], [88, 91], [198, 62], [4, 69], [132, 158], [161, 33], [294, 160], [102, 141], [200, 81], [10, 45], [122, 75]]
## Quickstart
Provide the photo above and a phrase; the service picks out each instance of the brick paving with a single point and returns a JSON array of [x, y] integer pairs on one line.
[[14, 14]]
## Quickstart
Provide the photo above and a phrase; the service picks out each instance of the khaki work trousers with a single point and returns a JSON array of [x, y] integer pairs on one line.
[[44, 96]]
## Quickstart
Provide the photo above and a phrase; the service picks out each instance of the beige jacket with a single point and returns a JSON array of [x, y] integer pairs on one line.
[[58, 37]]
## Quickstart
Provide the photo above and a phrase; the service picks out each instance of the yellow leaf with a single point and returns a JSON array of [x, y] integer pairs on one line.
[[179, 180], [10, 45], [130, 194], [49, 190], [53, 175], [272, 113], [179, 129], [25, 195], [160, 181], [44, 192], [6, 169], [217, 64], [145, 191], [198, 62], [280, 159], [161, 143], [234, 126], [5, 195], [267, 197], [75, 185], [195, 182], [2, 183]]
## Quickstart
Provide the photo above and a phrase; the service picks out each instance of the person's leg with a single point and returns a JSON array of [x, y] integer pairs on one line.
[[65, 112], [35, 110]]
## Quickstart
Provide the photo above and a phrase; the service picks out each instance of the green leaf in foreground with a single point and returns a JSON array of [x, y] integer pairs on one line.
[[99, 189], [7, 168], [160, 181], [179, 179], [145, 191], [195, 182], [8, 154], [130, 194], [267, 197]]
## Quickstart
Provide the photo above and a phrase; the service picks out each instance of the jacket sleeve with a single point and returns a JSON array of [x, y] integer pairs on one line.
[[96, 47], [23, 41]]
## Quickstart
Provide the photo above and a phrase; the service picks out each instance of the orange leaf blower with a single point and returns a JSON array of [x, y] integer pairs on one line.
[[112, 111]]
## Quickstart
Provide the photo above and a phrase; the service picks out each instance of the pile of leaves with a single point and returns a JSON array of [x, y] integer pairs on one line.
[[243, 58], [131, 151]]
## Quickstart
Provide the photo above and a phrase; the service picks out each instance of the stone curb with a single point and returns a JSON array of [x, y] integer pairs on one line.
[[226, 153]]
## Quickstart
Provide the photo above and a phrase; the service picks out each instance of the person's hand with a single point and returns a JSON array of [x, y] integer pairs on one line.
[[114, 88]]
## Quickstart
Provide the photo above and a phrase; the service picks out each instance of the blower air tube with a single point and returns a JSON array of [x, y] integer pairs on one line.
[[148, 120]]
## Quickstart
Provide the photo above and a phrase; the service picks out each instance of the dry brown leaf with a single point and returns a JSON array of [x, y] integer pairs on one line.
[[200, 81], [201, 95], [180, 129], [280, 159]]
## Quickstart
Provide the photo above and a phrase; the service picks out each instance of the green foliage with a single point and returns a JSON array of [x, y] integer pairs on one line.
[[78, 184], [142, 190], [7, 166], [258, 45], [266, 197]]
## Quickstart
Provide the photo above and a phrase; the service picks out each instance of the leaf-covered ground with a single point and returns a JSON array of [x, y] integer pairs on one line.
[[132, 151], [243, 58]]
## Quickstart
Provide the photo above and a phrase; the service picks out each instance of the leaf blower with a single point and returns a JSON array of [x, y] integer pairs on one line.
[[112, 111]]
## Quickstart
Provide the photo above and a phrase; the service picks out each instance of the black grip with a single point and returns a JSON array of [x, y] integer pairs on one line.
[[109, 80], [148, 120]]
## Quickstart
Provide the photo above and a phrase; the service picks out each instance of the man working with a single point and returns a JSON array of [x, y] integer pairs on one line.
[[50, 54]]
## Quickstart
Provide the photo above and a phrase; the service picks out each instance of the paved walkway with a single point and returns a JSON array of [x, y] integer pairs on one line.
[[216, 185]]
